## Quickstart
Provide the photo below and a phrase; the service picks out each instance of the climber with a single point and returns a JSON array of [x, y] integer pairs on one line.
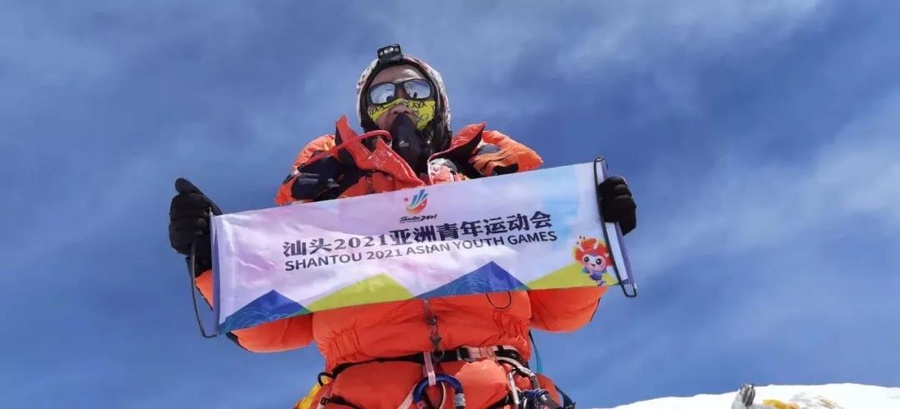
[[376, 355]]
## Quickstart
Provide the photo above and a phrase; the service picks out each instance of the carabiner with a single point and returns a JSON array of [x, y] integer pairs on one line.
[[459, 399]]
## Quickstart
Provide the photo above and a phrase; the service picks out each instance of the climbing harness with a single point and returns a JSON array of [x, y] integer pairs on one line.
[[432, 378], [469, 354], [534, 397], [418, 395], [428, 360]]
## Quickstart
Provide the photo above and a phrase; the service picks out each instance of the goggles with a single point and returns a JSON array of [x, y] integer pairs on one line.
[[416, 89]]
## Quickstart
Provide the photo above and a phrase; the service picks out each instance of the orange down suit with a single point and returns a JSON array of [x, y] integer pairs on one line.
[[362, 334]]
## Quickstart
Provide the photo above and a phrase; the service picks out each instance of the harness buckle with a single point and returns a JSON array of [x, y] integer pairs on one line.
[[472, 354]]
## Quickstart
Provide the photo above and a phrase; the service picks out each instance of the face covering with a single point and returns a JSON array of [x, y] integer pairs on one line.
[[424, 110], [409, 143]]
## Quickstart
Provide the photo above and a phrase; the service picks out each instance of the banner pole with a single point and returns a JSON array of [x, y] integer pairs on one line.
[[191, 276], [604, 170]]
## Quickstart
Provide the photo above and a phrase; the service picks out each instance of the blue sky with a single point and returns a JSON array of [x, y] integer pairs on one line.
[[760, 139]]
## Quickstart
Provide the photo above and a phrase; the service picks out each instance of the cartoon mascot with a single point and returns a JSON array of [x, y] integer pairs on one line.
[[595, 260]]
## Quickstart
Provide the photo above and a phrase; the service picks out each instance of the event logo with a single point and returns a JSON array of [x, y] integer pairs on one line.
[[415, 205]]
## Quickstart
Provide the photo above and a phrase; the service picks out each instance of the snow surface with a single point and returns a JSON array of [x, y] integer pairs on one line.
[[848, 395]]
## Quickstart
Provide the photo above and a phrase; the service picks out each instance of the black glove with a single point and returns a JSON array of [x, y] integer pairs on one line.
[[617, 203], [189, 223], [318, 180]]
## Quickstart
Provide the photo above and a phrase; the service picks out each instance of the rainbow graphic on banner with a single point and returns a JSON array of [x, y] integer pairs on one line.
[[417, 203]]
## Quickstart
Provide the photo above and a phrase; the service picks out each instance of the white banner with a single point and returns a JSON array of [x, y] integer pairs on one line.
[[530, 230]]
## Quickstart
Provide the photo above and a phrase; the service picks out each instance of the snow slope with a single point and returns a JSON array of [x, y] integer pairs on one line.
[[848, 395]]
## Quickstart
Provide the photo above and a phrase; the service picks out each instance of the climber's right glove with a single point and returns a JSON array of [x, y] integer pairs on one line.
[[617, 203], [189, 223]]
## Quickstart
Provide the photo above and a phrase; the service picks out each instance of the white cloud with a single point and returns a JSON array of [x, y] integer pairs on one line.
[[115, 199], [479, 47], [761, 237], [635, 31], [745, 206], [66, 48]]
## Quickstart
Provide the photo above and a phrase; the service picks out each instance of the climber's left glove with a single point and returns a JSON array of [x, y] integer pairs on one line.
[[189, 223], [617, 203]]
